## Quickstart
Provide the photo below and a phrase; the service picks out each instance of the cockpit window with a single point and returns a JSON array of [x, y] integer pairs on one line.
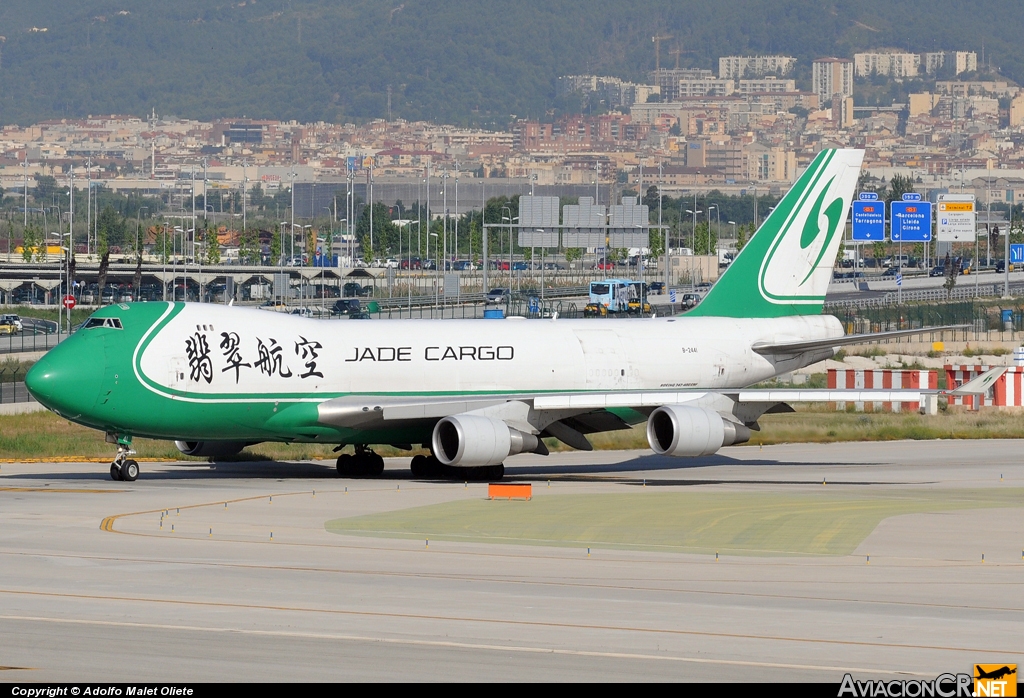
[[111, 322]]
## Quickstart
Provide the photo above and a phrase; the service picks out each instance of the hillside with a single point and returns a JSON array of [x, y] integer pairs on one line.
[[452, 60]]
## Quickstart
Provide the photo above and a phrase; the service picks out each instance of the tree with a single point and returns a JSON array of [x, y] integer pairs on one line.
[[30, 242], [111, 228], [46, 187], [249, 247], [385, 233], [741, 238], [275, 245], [898, 186], [573, 254]]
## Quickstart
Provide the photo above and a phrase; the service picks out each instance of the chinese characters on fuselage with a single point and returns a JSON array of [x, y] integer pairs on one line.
[[273, 358]]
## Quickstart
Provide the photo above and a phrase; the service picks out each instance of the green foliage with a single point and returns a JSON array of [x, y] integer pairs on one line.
[[898, 186], [385, 233], [573, 254], [275, 245], [249, 246], [31, 242]]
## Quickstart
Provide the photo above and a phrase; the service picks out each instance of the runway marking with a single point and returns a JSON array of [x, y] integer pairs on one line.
[[504, 621], [64, 490], [569, 585], [465, 645]]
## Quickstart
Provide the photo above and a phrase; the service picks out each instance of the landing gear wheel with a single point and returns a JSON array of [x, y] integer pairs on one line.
[[115, 472], [418, 467], [365, 463], [130, 471], [374, 464], [428, 468]]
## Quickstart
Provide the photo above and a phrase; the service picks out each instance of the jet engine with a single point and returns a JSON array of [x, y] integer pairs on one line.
[[682, 430], [467, 441], [210, 448]]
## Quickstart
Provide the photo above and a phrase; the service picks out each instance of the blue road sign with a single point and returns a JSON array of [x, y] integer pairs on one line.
[[911, 220], [899, 279], [867, 196], [1016, 254], [868, 220], [672, 293], [911, 196]]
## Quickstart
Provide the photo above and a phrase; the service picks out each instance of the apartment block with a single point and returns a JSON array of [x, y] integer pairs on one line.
[[893, 64], [830, 76], [769, 84], [738, 67]]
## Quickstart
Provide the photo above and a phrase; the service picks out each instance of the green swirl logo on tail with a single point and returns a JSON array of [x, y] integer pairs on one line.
[[811, 229]]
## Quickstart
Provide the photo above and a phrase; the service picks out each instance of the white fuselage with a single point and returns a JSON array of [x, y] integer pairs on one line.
[[209, 350]]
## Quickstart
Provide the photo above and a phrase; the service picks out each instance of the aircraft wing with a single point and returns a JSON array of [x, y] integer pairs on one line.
[[582, 413]]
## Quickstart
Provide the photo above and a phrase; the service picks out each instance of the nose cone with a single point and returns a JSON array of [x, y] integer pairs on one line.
[[64, 384]]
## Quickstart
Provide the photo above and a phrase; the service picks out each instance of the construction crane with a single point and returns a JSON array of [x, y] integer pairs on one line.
[[676, 51], [657, 39]]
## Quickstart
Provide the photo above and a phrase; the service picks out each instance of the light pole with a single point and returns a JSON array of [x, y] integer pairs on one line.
[[712, 206], [693, 243], [63, 265], [437, 289], [291, 234]]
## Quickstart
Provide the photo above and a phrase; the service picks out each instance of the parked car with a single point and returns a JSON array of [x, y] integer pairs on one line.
[[520, 266], [497, 296], [690, 300], [429, 265], [352, 290], [604, 265], [411, 263], [345, 306], [12, 320]]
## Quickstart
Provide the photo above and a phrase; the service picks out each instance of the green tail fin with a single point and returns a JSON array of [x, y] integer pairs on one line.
[[786, 267]]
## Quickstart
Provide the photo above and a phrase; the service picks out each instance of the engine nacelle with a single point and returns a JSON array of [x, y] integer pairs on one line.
[[682, 430], [210, 448], [468, 441]]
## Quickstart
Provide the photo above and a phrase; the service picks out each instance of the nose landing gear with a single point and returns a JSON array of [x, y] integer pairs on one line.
[[123, 468]]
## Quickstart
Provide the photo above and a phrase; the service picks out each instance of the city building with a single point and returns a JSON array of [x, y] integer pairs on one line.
[[894, 64], [739, 67], [830, 76]]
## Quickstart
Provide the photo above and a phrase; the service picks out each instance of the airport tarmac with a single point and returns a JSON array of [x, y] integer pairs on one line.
[[230, 572]]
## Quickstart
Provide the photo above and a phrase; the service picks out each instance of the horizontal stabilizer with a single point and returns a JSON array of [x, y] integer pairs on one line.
[[799, 347], [825, 395], [981, 384]]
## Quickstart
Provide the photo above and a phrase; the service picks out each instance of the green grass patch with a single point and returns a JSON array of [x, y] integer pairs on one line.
[[772, 523], [45, 435]]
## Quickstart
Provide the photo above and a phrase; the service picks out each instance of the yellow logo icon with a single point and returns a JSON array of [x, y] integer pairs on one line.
[[995, 680]]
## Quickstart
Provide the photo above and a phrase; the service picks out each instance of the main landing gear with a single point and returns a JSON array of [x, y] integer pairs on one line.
[[364, 463], [430, 468], [123, 468]]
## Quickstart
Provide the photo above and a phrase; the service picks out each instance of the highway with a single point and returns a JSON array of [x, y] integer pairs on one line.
[[791, 563]]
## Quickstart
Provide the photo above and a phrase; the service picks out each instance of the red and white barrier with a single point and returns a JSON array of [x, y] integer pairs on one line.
[[881, 379], [1006, 391]]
